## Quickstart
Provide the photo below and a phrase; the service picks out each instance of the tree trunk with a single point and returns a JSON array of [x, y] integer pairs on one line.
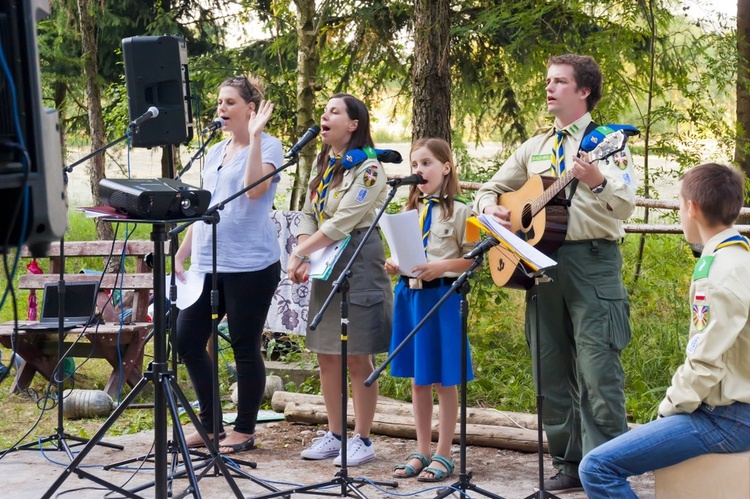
[[431, 79], [96, 116], [307, 68], [742, 146]]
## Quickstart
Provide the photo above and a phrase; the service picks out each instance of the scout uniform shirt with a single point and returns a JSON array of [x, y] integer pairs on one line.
[[591, 216], [717, 368], [446, 239], [352, 204]]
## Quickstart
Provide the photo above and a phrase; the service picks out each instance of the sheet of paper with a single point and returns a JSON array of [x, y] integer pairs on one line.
[[528, 253], [189, 291], [404, 237]]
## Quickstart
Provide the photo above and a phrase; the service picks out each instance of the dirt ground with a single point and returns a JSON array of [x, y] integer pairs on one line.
[[498, 473]]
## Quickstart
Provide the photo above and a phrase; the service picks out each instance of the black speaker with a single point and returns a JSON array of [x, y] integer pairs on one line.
[[156, 74], [32, 191]]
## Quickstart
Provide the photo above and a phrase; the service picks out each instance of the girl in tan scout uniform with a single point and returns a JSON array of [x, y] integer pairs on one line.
[[707, 407], [343, 200], [432, 357]]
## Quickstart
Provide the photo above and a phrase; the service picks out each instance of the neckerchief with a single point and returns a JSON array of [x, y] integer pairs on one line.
[[321, 193], [558, 153], [425, 217]]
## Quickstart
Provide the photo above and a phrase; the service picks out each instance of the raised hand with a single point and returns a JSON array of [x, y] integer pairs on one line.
[[259, 117]]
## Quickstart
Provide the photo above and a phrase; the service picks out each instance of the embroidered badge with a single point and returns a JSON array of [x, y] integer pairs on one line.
[[541, 157], [700, 316], [370, 177], [693, 344], [362, 195], [700, 296], [626, 178], [621, 160], [349, 158]]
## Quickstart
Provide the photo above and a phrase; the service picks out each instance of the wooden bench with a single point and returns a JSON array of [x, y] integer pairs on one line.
[[712, 475], [117, 344]]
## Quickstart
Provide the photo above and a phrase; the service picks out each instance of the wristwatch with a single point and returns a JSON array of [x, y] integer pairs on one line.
[[599, 188]]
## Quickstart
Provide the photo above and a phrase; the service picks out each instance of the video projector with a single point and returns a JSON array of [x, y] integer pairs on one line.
[[154, 199]]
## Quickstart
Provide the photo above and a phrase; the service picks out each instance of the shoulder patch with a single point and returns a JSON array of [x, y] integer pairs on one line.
[[702, 266], [370, 176], [361, 195], [461, 199]]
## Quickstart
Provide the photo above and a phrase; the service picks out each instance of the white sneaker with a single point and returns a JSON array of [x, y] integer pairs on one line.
[[322, 447], [356, 452]]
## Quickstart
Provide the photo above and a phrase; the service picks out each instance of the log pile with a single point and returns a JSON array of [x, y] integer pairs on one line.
[[484, 427]]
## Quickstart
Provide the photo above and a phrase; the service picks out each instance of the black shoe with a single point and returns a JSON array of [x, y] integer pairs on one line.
[[561, 483]]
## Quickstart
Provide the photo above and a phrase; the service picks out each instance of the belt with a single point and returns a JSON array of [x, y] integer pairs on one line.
[[435, 283]]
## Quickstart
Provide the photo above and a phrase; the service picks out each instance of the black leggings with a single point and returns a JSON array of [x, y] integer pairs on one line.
[[245, 297]]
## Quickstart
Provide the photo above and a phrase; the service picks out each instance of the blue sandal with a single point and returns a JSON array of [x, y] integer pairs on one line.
[[410, 470], [438, 475]]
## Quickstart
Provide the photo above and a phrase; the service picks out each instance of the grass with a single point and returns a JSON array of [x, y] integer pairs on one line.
[[659, 320]]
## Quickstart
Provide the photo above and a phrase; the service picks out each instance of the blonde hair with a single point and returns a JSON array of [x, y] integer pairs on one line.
[[250, 88]]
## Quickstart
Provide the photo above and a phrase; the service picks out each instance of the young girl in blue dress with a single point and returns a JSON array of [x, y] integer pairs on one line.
[[432, 357]]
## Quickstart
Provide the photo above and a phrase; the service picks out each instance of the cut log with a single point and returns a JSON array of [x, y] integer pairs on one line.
[[474, 415], [402, 426]]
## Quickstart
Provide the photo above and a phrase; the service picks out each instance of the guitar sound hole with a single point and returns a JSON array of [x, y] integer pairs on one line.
[[526, 218]]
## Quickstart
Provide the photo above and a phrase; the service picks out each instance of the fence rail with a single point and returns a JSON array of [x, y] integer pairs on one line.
[[641, 228]]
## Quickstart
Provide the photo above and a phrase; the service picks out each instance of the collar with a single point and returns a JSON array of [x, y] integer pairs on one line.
[[711, 244], [576, 128]]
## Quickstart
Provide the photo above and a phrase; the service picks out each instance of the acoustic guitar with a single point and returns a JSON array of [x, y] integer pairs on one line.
[[539, 215]]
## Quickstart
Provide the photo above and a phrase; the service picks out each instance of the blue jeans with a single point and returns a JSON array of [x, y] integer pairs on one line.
[[667, 441]]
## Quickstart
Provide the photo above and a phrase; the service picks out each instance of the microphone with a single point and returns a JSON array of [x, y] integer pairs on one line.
[[216, 124], [482, 247], [415, 179], [152, 112], [309, 135]]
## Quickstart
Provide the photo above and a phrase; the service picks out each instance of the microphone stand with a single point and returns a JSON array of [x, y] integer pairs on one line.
[[69, 168], [59, 438], [342, 478], [198, 153], [461, 285]]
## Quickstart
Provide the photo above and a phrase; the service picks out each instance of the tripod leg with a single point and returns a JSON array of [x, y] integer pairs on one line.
[[174, 390], [73, 466]]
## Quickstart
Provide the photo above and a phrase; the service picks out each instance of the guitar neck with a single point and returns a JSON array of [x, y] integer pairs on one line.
[[550, 192]]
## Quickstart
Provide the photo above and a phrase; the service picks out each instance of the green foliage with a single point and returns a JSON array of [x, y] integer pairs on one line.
[[659, 320]]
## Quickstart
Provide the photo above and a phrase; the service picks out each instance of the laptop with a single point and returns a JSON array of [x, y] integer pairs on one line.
[[80, 306]]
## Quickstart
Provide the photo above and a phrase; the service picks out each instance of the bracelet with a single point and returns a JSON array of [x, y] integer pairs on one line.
[[305, 258]]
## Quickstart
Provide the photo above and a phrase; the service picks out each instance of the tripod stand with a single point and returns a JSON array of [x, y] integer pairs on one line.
[[176, 445], [166, 394], [539, 492], [461, 286], [347, 484], [59, 439]]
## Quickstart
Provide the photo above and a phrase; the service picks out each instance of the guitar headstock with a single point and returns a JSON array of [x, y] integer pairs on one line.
[[612, 143]]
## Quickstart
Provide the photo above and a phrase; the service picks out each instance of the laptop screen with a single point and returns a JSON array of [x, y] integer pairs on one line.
[[80, 301]]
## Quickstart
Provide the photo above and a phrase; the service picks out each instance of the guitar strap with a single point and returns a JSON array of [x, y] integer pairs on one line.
[[574, 184]]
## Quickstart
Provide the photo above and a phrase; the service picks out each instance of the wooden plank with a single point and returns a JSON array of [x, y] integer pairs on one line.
[[98, 248], [108, 281]]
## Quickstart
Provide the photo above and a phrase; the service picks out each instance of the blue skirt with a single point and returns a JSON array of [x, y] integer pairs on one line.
[[433, 355]]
